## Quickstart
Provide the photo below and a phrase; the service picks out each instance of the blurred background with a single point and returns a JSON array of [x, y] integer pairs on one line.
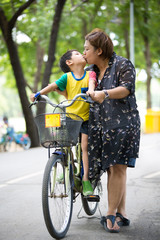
[[35, 33]]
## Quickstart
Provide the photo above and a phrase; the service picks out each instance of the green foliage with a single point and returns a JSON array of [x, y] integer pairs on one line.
[[78, 19]]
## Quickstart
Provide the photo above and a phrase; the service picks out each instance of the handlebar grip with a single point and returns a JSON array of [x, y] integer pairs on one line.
[[38, 98]]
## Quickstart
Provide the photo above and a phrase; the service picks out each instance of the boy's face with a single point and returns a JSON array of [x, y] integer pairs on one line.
[[77, 58]]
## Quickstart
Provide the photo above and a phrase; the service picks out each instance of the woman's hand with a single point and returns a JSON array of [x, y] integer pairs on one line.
[[115, 93], [97, 96]]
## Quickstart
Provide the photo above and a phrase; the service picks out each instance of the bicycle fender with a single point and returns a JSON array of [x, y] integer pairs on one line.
[[59, 153]]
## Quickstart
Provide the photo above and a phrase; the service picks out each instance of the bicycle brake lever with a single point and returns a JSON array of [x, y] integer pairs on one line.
[[34, 103], [89, 100], [37, 99]]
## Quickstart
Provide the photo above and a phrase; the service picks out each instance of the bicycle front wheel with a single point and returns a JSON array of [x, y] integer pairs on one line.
[[57, 197], [26, 143]]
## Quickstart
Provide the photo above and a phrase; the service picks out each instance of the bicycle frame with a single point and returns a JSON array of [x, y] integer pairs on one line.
[[68, 160]]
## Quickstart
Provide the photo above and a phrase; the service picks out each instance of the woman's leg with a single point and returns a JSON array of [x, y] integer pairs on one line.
[[116, 190], [122, 205], [84, 145]]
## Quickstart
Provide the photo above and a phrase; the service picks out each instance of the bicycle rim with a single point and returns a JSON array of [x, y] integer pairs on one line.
[[57, 197], [27, 143], [7, 146]]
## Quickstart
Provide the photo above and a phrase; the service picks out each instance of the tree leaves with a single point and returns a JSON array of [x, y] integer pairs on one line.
[[78, 18]]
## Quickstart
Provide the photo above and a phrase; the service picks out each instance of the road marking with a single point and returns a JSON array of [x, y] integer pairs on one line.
[[21, 179], [152, 175]]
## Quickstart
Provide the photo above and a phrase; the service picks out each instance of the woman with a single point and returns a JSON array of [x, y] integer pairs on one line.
[[114, 129]]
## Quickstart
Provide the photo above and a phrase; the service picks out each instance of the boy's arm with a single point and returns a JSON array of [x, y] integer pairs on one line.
[[92, 83], [63, 93], [46, 90]]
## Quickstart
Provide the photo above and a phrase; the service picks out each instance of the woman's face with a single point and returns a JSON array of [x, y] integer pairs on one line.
[[90, 54]]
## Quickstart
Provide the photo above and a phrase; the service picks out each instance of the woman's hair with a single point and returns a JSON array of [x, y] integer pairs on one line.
[[99, 39], [62, 63]]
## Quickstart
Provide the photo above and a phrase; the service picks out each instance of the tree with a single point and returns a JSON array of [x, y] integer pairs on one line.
[[144, 31], [147, 15], [7, 30], [78, 18], [52, 46]]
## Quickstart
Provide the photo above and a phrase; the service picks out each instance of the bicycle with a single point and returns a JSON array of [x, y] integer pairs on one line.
[[21, 139], [62, 180]]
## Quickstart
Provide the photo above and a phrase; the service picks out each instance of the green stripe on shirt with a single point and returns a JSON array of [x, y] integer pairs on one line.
[[62, 82]]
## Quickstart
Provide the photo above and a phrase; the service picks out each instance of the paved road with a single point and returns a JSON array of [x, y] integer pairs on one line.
[[20, 198]]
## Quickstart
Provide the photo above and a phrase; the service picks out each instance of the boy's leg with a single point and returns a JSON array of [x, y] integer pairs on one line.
[[84, 145], [87, 187]]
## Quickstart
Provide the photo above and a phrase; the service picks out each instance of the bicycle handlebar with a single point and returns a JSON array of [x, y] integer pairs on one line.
[[61, 105]]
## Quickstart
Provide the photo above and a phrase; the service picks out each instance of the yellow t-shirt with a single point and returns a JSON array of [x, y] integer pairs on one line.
[[73, 87]]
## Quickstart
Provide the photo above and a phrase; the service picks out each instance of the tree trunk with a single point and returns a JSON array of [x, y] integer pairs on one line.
[[148, 70], [143, 28], [38, 74], [126, 38], [20, 82], [7, 27], [52, 48], [147, 56]]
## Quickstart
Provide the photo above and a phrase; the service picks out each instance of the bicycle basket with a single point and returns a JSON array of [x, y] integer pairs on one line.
[[58, 129]]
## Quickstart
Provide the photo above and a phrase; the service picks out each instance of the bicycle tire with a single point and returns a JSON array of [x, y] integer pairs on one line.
[[91, 207], [57, 206], [7, 144], [27, 143]]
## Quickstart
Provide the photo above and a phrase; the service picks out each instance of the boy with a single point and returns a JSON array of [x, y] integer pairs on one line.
[[76, 80]]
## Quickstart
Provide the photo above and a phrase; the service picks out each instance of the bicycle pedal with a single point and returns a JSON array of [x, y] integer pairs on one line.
[[92, 198]]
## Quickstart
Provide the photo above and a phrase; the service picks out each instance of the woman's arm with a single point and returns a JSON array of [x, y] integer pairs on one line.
[[115, 93]]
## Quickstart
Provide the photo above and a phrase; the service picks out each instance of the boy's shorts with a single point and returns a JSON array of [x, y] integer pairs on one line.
[[84, 128]]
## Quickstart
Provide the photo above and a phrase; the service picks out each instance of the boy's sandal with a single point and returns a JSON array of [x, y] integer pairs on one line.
[[87, 188], [112, 218], [124, 221]]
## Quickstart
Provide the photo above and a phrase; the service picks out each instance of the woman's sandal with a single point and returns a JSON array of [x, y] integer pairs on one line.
[[112, 218], [124, 221]]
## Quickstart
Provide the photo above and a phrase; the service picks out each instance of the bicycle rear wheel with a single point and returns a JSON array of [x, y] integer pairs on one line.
[[26, 143], [57, 197], [91, 207]]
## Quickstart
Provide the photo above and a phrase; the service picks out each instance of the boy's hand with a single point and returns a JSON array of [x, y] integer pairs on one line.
[[32, 98], [90, 93], [98, 96]]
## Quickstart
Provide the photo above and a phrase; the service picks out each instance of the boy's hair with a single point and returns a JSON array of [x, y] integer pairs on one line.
[[62, 63]]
